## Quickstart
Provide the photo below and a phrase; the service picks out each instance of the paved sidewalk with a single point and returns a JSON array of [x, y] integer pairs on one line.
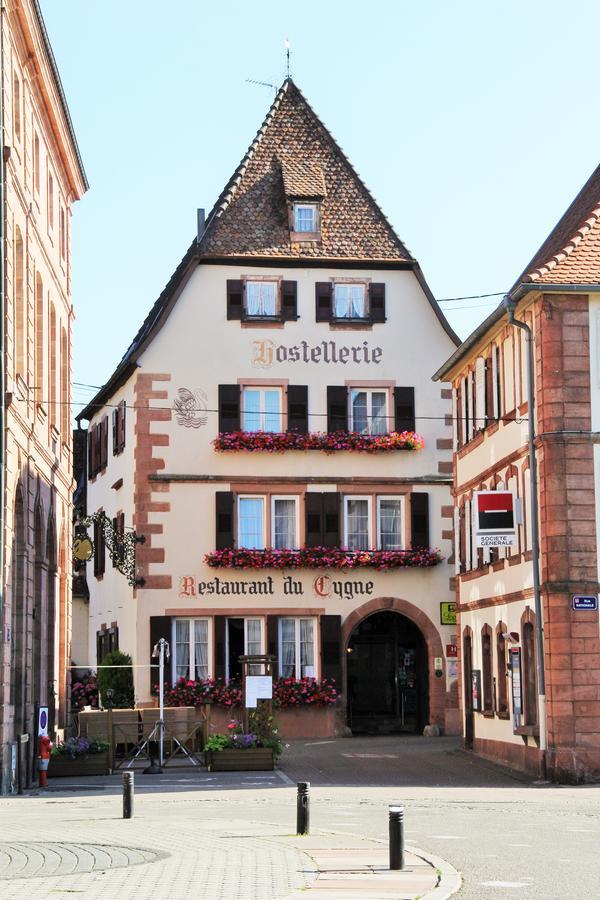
[[180, 845]]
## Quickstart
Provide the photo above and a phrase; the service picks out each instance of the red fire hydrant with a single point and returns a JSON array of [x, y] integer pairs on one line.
[[44, 748]]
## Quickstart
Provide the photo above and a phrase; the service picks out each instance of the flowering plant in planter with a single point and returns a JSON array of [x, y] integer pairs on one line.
[[263, 735], [289, 692], [322, 558], [76, 747], [328, 442], [84, 692]]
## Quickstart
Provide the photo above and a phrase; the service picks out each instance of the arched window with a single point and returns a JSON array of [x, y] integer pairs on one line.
[[39, 339], [16, 106], [486, 669], [64, 386], [501, 670], [20, 320], [52, 366], [529, 679]]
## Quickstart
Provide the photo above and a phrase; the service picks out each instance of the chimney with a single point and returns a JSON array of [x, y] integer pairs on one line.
[[201, 224]]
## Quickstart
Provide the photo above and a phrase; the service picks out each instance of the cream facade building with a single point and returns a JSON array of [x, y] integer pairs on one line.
[[297, 312], [506, 714], [43, 176]]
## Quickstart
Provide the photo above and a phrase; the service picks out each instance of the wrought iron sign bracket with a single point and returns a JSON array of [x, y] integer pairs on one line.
[[120, 545]]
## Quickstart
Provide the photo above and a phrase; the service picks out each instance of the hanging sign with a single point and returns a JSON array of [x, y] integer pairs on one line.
[[495, 523], [42, 721], [258, 687], [585, 602]]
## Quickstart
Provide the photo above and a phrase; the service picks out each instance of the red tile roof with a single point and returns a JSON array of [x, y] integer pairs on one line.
[[293, 154], [571, 252]]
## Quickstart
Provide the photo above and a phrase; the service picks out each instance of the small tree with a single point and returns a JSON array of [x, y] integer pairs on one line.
[[120, 681]]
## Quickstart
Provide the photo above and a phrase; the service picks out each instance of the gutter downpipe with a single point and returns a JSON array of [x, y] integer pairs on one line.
[[2, 329], [510, 304]]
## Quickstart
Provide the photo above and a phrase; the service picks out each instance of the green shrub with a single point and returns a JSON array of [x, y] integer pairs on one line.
[[119, 680]]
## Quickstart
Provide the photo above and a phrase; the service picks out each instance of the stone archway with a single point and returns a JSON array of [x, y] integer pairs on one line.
[[437, 685]]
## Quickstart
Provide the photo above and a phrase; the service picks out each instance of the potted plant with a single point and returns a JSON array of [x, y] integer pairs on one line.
[[240, 751], [78, 756]]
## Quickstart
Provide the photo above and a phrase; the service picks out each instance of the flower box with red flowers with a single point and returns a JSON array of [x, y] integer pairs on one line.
[[322, 558], [327, 442]]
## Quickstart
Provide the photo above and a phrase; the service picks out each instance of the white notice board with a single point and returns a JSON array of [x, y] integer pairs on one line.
[[258, 687]]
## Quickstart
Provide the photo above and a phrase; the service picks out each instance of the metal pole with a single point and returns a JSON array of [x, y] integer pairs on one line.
[[396, 815], [161, 700], [128, 795], [510, 305], [303, 808]]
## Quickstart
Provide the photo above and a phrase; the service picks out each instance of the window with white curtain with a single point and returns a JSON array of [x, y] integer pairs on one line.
[[253, 642], [357, 523], [350, 301], [261, 409], [389, 523], [251, 522], [284, 523], [368, 411], [297, 648], [190, 642], [305, 218], [260, 299]]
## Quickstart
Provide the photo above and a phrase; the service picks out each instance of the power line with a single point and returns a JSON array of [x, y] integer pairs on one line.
[[472, 297]]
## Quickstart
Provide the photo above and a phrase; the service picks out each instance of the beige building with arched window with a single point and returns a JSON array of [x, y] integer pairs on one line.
[[43, 176]]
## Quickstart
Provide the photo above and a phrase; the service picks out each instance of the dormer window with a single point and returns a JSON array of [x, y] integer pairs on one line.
[[349, 301], [305, 218], [260, 299]]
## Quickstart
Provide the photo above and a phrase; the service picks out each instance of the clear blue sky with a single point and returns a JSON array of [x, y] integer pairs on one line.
[[473, 123]]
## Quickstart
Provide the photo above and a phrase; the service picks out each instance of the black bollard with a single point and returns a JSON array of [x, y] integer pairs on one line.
[[303, 808], [396, 837], [127, 795]]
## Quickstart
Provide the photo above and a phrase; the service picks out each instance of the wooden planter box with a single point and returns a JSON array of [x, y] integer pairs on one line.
[[64, 767], [251, 760]]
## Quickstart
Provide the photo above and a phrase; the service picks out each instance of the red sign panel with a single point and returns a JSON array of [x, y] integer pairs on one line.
[[451, 651]]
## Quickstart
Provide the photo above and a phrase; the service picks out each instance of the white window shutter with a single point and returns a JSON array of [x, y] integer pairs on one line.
[[495, 379], [468, 535], [454, 419], [471, 404], [480, 393]]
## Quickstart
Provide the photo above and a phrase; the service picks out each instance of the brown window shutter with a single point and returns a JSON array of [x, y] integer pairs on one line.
[[224, 520], [323, 298], [115, 553], [377, 302], [462, 539], [235, 299], [98, 447], [313, 512], [273, 639], [123, 420], [332, 502], [331, 647], [337, 408], [297, 402], [419, 519], [219, 624], [404, 409], [229, 407], [115, 430], [289, 301], [90, 448], [160, 627], [104, 442], [460, 436]]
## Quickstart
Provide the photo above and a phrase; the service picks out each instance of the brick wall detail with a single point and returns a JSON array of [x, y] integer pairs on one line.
[[150, 498]]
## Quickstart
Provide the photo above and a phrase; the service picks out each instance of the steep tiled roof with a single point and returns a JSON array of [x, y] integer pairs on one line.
[[571, 252], [251, 216]]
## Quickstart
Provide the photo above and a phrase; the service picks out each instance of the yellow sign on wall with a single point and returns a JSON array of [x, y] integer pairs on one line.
[[448, 613]]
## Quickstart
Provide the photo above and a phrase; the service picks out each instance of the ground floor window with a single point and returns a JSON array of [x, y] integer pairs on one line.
[[190, 643], [244, 638], [297, 648]]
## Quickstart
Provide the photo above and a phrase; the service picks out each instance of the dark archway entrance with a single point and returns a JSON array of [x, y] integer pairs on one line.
[[387, 676]]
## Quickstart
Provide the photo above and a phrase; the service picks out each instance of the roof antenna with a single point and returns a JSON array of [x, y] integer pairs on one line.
[[263, 84], [288, 47]]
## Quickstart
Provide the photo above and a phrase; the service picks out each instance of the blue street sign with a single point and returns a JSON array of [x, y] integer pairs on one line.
[[583, 602]]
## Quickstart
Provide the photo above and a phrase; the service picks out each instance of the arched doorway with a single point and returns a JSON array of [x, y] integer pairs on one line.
[[387, 675]]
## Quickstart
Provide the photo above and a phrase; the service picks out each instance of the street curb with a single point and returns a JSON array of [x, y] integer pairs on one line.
[[450, 880]]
